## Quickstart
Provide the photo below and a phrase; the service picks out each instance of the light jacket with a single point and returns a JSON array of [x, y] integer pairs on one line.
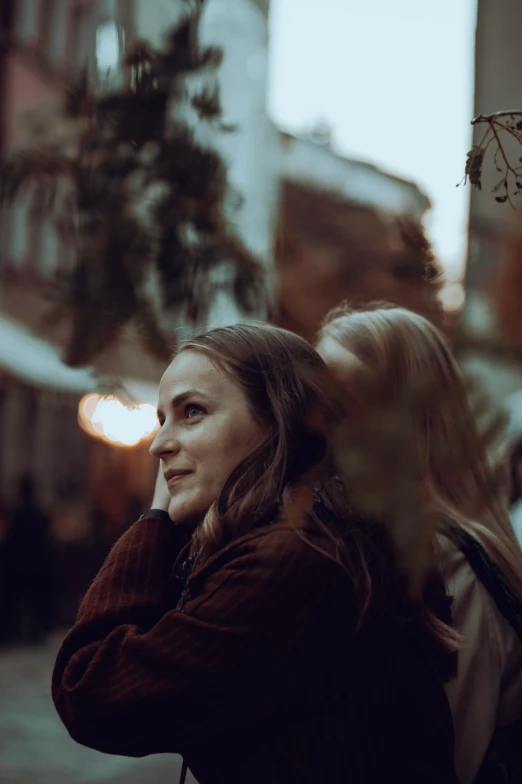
[[487, 691]]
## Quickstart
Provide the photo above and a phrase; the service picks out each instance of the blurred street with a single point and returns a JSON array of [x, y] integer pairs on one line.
[[35, 747]]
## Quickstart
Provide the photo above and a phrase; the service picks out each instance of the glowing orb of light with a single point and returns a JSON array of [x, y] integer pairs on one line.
[[116, 422]]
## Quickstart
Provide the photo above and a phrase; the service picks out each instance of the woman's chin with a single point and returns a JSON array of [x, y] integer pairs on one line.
[[183, 515]]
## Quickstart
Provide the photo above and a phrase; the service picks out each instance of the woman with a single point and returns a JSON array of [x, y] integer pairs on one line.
[[408, 394], [276, 660]]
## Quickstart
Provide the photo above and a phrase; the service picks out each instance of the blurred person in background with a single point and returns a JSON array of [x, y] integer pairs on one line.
[[4, 582], [110, 507], [29, 568], [76, 556], [515, 489], [410, 409], [250, 621]]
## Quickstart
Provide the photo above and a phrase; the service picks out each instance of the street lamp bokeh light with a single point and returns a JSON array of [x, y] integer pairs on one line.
[[111, 420]]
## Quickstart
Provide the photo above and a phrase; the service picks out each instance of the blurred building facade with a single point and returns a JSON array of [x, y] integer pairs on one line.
[[332, 221], [346, 231], [41, 44], [37, 405], [498, 87], [494, 268]]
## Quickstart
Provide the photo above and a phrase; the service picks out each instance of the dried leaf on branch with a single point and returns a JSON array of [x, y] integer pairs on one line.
[[502, 129]]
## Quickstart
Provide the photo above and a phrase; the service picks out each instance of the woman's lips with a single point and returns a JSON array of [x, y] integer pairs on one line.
[[173, 478]]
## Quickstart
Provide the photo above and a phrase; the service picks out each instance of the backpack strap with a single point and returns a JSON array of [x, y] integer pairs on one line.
[[490, 575]]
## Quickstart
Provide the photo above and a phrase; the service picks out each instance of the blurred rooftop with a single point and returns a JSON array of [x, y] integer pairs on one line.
[[310, 159]]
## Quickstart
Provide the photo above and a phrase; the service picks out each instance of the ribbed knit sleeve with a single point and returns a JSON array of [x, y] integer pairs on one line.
[[135, 676]]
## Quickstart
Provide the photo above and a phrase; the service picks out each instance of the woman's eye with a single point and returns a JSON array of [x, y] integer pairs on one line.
[[191, 411]]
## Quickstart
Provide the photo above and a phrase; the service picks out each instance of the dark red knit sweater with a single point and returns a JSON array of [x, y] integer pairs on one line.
[[260, 679]]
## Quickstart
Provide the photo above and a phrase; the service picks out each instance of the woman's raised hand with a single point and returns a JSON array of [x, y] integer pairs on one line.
[[161, 497]]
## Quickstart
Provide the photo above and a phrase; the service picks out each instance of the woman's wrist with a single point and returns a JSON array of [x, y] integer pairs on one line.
[[154, 511], [160, 502]]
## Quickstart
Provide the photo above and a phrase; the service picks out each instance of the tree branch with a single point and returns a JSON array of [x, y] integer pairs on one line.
[[509, 122]]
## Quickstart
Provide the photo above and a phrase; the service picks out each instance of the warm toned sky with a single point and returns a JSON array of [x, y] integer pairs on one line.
[[394, 79]]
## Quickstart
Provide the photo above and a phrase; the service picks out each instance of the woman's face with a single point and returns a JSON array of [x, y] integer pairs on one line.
[[206, 430]]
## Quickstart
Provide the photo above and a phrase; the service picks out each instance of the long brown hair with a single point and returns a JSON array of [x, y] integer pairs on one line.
[[291, 474], [284, 379], [409, 360]]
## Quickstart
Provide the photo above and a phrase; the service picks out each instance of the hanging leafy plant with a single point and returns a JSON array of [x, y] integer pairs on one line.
[[131, 194]]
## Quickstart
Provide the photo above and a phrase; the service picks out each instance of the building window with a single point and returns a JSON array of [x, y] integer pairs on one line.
[[47, 22], [53, 22], [29, 240], [15, 233], [108, 51], [98, 41], [43, 23], [26, 20], [49, 250], [79, 37]]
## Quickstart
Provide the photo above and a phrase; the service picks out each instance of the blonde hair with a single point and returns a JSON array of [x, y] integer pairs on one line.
[[412, 370]]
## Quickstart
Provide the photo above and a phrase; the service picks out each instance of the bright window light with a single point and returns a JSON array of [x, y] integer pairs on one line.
[[107, 50]]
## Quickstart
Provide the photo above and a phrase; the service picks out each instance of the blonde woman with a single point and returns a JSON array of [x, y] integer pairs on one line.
[[425, 462]]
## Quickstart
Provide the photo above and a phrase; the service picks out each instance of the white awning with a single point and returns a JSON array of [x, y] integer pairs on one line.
[[38, 363]]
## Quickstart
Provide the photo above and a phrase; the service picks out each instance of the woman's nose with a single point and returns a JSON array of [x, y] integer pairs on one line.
[[165, 443]]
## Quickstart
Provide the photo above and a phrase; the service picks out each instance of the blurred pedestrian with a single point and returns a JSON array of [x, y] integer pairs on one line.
[[75, 556], [29, 568], [5, 614], [405, 391], [515, 489], [283, 649]]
